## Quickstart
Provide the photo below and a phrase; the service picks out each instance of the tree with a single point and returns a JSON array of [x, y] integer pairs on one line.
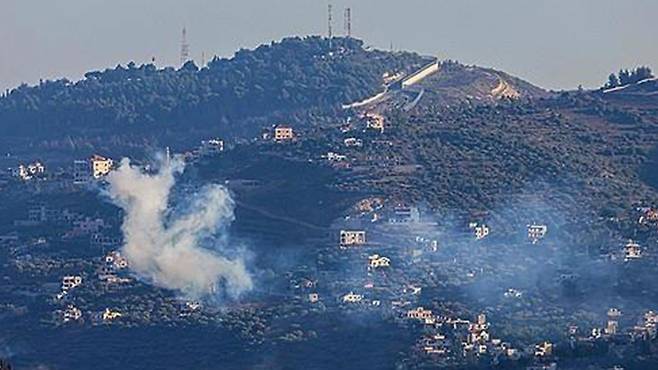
[[627, 77], [190, 66], [613, 81], [642, 73], [624, 77]]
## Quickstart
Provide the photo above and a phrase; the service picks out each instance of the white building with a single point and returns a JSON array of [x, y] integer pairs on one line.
[[481, 231], [377, 261], [211, 147], [109, 315], [632, 251], [71, 281], [283, 133], [374, 121], [536, 232], [512, 293], [613, 321], [72, 313], [335, 157], [30, 171], [419, 313], [115, 259], [351, 297], [100, 166], [352, 238], [95, 167], [544, 349], [353, 142]]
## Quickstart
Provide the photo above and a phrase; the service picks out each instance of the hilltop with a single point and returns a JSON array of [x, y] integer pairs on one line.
[[303, 81], [455, 84], [293, 74]]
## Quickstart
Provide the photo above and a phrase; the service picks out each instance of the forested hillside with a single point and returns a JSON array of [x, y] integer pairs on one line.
[[287, 75]]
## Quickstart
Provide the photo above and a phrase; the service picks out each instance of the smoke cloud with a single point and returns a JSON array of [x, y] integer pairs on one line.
[[173, 248]]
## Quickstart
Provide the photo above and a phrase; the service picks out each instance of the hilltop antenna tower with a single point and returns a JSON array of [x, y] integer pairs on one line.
[[330, 32], [348, 22], [184, 48]]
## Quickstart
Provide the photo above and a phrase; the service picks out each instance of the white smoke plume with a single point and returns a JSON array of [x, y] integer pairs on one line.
[[163, 246]]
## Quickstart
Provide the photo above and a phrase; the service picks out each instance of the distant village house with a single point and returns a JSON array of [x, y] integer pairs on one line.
[[70, 282], [30, 171], [352, 238], [351, 297], [419, 313], [377, 261], [95, 167], [283, 133], [536, 232]]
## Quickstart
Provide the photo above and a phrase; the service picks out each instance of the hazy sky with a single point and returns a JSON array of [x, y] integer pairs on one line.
[[552, 43]]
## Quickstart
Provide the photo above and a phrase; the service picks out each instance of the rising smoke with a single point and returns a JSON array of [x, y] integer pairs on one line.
[[176, 249]]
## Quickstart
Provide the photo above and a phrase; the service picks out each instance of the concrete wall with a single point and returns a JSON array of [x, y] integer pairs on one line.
[[421, 74]]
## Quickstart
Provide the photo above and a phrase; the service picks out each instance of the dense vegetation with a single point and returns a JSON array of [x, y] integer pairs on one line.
[[626, 77], [287, 75], [578, 147]]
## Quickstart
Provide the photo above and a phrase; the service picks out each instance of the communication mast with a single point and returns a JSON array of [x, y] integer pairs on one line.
[[330, 32], [348, 22], [184, 48]]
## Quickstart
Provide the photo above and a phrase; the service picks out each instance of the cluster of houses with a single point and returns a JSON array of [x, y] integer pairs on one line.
[[646, 330], [535, 232], [97, 229], [72, 313], [110, 266], [96, 167], [444, 338], [69, 282], [444, 335], [476, 341], [111, 263], [38, 214], [30, 171], [648, 216]]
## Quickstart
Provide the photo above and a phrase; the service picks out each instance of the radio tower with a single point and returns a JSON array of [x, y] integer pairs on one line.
[[329, 22], [184, 48], [348, 22]]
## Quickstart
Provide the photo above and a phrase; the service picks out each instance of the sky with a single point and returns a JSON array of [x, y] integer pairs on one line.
[[556, 44]]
